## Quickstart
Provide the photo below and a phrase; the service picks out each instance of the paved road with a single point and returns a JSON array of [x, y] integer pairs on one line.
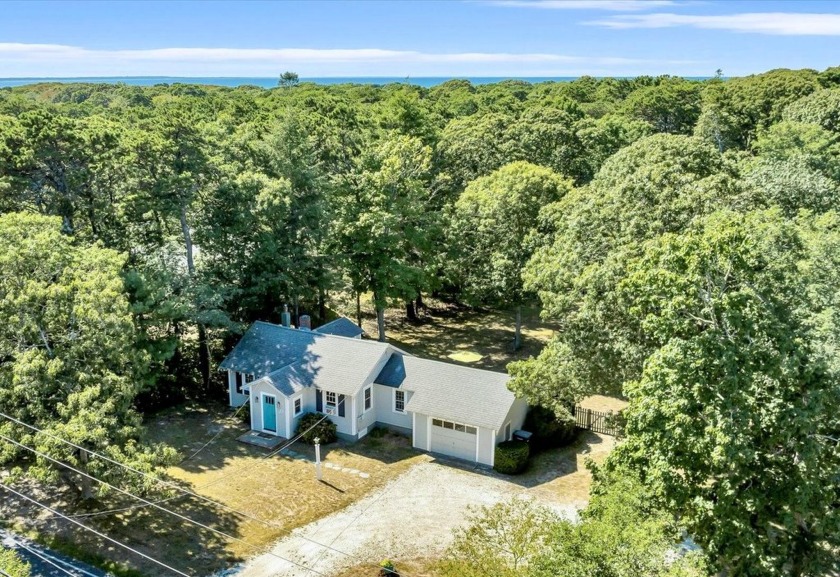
[[46, 563]]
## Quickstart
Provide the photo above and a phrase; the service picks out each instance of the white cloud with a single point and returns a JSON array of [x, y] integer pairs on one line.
[[776, 23], [610, 5], [37, 60]]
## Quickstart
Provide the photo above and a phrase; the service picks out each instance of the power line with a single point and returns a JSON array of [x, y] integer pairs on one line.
[[286, 445], [356, 518], [186, 491], [154, 478], [152, 504], [115, 462], [94, 531], [216, 436], [42, 558]]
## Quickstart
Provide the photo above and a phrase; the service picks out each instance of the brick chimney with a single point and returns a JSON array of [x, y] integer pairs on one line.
[[305, 323]]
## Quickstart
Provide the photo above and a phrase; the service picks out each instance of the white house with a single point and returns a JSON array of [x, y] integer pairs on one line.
[[448, 409]]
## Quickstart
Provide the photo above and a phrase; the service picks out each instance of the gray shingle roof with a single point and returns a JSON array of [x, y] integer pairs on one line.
[[285, 380], [293, 359], [340, 327], [452, 392]]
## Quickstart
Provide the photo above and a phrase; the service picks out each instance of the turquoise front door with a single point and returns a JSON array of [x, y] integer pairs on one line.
[[269, 414]]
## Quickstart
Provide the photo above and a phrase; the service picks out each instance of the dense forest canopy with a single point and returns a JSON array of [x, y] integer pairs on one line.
[[681, 234]]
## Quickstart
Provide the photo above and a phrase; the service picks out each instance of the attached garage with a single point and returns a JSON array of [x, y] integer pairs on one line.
[[454, 439], [456, 411]]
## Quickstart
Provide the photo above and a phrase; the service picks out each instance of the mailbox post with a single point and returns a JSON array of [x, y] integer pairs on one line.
[[318, 458]]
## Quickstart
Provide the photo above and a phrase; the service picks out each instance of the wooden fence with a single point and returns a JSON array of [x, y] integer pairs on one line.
[[597, 421]]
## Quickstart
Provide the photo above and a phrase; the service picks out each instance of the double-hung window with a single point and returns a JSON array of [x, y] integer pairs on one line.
[[399, 401], [331, 402], [298, 407], [241, 380], [368, 398]]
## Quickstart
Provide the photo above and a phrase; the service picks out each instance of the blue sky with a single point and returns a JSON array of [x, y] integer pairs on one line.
[[406, 38]]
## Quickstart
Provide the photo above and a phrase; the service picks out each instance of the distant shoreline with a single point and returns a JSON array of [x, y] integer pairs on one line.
[[264, 82]]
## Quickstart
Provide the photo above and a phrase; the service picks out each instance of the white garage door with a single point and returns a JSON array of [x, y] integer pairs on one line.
[[455, 439]]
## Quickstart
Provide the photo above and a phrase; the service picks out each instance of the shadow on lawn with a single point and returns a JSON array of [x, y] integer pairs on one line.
[[154, 532], [381, 445], [191, 430], [447, 331]]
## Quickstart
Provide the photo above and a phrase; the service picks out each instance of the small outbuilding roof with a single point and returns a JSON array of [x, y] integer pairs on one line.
[[340, 327], [452, 392]]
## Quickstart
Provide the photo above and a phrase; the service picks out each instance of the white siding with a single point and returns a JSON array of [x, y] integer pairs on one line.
[[344, 424], [421, 431], [383, 400], [236, 399], [365, 420], [307, 397], [515, 416], [486, 446]]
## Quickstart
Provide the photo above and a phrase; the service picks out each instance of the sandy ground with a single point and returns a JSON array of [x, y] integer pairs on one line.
[[412, 516]]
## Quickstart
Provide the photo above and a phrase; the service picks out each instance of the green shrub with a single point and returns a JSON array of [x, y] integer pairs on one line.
[[549, 431], [245, 413], [511, 457], [326, 430], [387, 569]]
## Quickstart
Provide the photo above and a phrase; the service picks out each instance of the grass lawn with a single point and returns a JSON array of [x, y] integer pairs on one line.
[[280, 490]]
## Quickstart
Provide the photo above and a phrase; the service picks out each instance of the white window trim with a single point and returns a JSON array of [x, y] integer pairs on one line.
[[394, 402], [294, 410], [366, 390], [330, 408]]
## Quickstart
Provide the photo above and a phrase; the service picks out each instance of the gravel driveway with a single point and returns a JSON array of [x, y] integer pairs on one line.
[[412, 516]]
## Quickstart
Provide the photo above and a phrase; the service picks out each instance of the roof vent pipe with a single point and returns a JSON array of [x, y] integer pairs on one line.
[[286, 317]]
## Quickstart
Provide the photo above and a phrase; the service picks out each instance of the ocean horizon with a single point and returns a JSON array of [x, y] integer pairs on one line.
[[266, 82]]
